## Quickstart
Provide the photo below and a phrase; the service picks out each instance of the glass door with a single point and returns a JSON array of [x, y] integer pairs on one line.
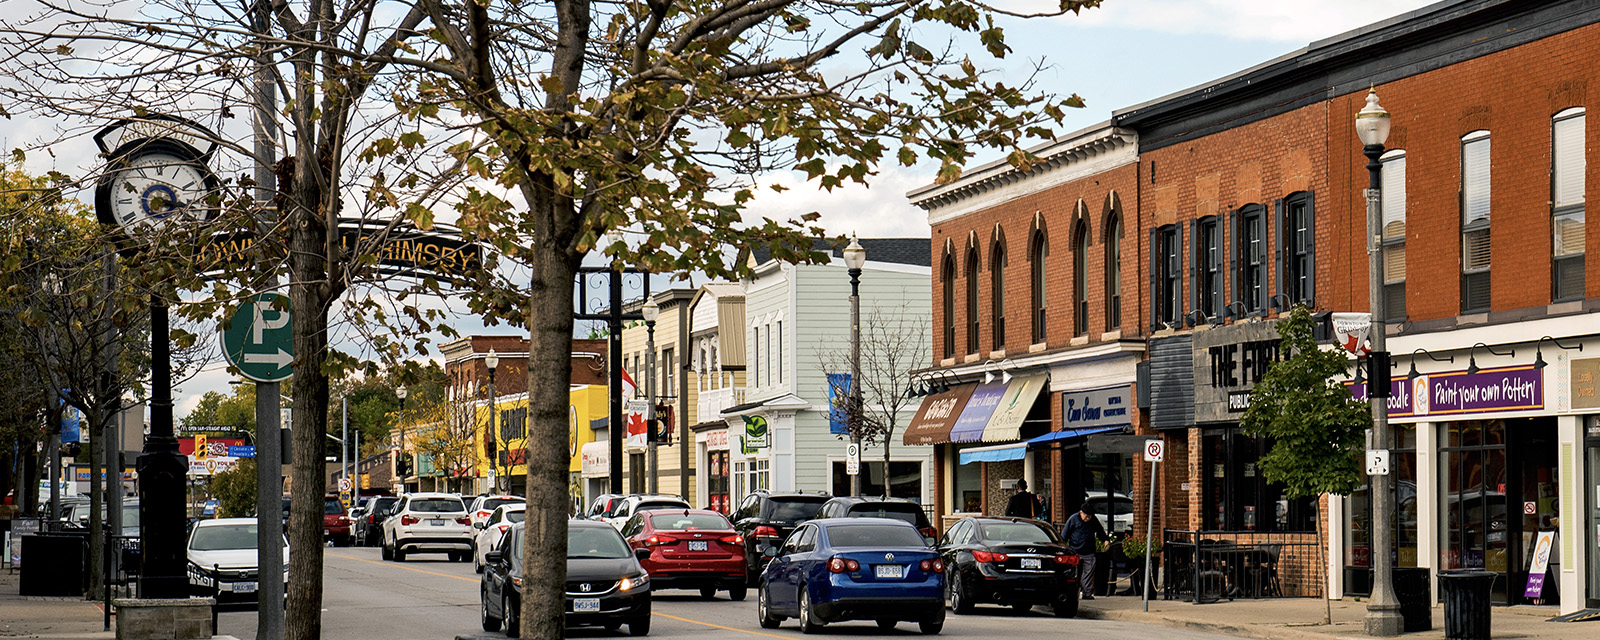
[[1475, 530], [1592, 495]]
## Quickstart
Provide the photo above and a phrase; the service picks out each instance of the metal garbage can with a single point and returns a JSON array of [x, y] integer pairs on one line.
[[1416, 604], [1466, 603], [53, 564]]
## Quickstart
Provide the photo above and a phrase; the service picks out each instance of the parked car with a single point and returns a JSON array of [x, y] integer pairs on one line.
[[222, 559], [689, 549], [624, 507], [602, 504], [1114, 510], [427, 523], [482, 506], [606, 586], [897, 508], [492, 529], [336, 523], [766, 518], [1017, 562], [373, 513], [76, 516], [837, 569]]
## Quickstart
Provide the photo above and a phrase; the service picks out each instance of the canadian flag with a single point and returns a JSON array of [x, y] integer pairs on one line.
[[1351, 329], [637, 430]]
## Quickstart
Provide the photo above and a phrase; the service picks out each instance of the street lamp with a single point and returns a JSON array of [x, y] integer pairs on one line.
[[1383, 612], [651, 311], [490, 362], [402, 393], [855, 256]]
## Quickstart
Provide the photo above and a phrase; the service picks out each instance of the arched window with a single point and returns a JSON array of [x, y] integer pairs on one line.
[[1036, 254], [972, 300], [997, 287], [1080, 279], [949, 276], [1114, 272]]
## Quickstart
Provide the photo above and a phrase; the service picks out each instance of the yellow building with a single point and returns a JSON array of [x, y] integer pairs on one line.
[[502, 448]]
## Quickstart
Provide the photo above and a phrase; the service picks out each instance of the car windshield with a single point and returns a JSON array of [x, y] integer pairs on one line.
[[684, 521], [224, 536], [874, 535], [652, 506], [795, 509], [130, 516], [516, 516], [595, 542], [904, 512], [331, 507], [436, 505], [1118, 506], [489, 504], [1018, 532]]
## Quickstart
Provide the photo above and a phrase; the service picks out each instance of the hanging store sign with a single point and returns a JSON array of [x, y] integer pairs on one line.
[[975, 416], [1228, 363]]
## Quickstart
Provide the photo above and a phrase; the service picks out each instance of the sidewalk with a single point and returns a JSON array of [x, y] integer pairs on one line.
[[1300, 618], [34, 617]]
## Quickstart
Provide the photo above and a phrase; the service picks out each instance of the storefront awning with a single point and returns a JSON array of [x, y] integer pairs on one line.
[[998, 453], [1068, 435], [975, 416], [1006, 423], [937, 415]]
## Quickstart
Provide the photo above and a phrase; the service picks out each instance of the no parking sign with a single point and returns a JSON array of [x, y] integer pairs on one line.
[[1154, 450]]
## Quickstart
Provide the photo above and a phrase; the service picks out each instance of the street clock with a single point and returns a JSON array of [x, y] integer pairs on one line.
[[156, 176]]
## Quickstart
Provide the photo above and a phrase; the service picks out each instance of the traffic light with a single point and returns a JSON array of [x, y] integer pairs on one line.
[[200, 447], [402, 465]]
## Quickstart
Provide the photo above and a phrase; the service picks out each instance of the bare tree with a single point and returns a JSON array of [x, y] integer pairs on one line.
[[894, 344]]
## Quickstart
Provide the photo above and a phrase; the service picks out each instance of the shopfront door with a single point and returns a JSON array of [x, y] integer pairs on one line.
[[1499, 494], [1591, 493]]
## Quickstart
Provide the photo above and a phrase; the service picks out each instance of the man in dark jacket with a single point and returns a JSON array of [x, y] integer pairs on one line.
[[1082, 532], [1024, 504]]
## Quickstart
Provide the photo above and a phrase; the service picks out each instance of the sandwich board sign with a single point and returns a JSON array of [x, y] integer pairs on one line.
[[259, 339]]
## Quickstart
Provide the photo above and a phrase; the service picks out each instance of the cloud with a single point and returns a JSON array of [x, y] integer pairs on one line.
[[876, 211]]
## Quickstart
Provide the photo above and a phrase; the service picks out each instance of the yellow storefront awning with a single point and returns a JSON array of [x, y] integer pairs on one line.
[[1005, 425]]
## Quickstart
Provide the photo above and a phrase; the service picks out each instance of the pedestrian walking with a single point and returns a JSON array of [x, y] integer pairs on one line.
[[1023, 503], [1083, 534]]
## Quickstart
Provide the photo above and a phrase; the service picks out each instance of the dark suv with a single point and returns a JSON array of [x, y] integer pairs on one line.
[[896, 508], [766, 518], [369, 528]]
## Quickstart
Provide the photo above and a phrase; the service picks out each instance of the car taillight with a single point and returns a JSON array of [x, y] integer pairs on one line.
[[734, 539], [928, 532], [409, 520], [369, 518], [463, 520], [841, 565], [502, 527], [764, 531], [656, 541], [1068, 559], [935, 565], [985, 556]]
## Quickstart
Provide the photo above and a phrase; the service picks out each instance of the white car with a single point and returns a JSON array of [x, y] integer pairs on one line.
[[482, 506], [624, 508], [428, 523], [492, 529], [222, 559], [1118, 506]]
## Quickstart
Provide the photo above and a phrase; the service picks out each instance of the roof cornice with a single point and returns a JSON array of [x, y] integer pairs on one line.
[[1061, 160]]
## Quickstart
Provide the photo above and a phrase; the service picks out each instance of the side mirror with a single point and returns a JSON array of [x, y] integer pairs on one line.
[[928, 540], [641, 554], [492, 557], [769, 552], [478, 525]]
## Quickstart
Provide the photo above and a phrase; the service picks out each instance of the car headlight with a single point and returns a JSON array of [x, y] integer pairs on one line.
[[517, 580], [634, 583]]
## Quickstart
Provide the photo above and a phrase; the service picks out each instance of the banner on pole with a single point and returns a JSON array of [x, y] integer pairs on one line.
[[1351, 329]]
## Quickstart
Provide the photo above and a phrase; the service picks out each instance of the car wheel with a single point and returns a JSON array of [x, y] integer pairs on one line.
[[808, 623], [959, 601], [708, 593], [512, 616], [930, 627], [887, 624], [1067, 605], [764, 611], [640, 626], [737, 594], [490, 623], [477, 567], [387, 552], [399, 552]]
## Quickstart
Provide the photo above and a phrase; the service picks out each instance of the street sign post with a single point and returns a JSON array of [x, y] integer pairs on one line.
[[1154, 451], [259, 339]]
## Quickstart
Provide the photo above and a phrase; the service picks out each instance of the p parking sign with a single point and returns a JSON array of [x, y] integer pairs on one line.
[[259, 340]]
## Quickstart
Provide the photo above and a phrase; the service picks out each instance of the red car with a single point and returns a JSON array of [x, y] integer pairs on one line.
[[689, 549], [335, 524]]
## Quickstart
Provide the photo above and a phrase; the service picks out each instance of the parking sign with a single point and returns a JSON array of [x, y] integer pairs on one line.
[[1154, 450]]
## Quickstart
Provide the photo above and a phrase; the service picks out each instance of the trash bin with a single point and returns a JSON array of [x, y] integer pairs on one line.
[[53, 564], [1416, 605], [1466, 603]]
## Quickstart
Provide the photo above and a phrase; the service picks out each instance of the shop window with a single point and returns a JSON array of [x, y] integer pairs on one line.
[[1567, 187], [718, 491], [1358, 529], [905, 479], [968, 485], [1475, 209], [1237, 497], [1393, 234]]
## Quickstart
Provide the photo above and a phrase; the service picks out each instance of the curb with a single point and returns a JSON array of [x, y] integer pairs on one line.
[[1247, 631]]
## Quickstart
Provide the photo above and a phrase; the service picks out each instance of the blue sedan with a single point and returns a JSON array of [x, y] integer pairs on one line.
[[833, 570]]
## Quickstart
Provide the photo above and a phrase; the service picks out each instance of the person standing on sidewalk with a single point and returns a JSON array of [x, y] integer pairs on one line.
[[1083, 534], [1024, 504]]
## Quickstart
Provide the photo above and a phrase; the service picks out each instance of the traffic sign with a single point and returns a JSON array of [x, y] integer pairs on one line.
[[344, 499], [241, 451], [259, 339], [1154, 450], [852, 459], [344, 485]]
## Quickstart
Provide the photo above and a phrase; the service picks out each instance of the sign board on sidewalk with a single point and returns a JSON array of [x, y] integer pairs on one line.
[[1154, 450], [259, 340], [1540, 564]]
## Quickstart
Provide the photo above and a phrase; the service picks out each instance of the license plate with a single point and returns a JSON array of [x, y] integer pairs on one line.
[[586, 605], [1030, 563], [889, 571], [436, 523], [697, 545], [244, 587]]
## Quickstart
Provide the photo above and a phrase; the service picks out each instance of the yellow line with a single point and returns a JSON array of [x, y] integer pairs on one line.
[[400, 566], [718, 626]]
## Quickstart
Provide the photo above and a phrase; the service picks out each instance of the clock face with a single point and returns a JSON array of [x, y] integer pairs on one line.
[[156, 189]]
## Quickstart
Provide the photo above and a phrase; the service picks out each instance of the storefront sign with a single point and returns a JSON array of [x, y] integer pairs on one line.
[[937, 416], [969, 426], [756, 433], [717, 440], [1109, 407], [1005, 425], [1541, 564], [1585, 383], [1228, 362], [1519, 388]]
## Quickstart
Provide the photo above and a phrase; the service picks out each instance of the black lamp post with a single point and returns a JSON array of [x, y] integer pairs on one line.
[[404, 459], [854, 258], [650, 310], [490, 362]]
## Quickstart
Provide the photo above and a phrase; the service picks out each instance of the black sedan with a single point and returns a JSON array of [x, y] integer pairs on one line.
[[606, 586], [1009, 561]]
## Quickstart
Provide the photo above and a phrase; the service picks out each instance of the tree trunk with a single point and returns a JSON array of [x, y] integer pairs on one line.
[[1322, 559], [544, 550]]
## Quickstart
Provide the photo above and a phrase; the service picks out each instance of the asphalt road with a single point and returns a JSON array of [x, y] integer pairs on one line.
[[430, 598]]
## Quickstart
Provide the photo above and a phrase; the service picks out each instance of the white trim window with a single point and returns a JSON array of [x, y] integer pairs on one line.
[[1475, 208], [1393, 233], [1566, 186]]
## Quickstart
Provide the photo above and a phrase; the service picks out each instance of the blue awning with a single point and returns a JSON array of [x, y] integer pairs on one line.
[[1001, 453], [1067, 435]]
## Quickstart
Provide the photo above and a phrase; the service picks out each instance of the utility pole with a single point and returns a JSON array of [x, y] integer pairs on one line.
[[269, 429], [650, 310]]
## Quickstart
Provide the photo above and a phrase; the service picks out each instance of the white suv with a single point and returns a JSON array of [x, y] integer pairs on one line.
[[428, 523], [625, 507]]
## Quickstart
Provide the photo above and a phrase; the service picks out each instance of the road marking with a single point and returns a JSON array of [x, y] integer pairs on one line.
[[399, 566], [718, 626]]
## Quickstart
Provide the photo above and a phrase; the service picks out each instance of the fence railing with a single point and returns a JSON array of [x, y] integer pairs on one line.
[[1207, 566]]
